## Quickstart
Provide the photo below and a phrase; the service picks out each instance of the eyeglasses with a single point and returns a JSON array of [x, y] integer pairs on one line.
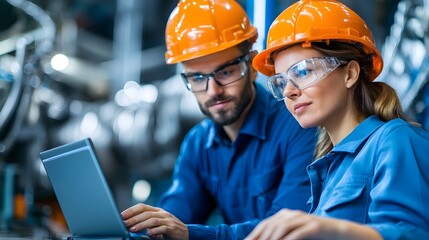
[[302, 74], [224, 75]]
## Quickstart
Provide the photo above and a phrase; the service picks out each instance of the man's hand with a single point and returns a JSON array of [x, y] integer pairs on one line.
[[156, 221]]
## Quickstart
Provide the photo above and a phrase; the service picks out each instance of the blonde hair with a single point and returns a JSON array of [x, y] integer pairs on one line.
[[369, 97]]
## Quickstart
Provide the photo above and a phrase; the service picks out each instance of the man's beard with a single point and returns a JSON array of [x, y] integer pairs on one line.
[[227, 117]]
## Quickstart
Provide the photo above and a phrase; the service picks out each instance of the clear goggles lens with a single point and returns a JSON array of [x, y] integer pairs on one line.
[[302, 74]]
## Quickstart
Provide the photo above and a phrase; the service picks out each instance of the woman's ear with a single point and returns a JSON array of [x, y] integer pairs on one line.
[[352, 69]]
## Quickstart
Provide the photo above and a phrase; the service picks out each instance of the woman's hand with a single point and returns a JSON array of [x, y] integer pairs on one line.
[[291, 224]]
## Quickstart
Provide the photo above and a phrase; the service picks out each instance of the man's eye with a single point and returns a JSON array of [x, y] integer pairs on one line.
[[197, 78], [226, 72]]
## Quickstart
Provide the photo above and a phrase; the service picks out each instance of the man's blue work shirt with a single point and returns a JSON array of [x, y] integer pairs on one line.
[[379, 176], [249, 179]]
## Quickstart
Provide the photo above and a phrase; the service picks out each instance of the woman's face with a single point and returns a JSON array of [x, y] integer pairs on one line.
[[322, 103]]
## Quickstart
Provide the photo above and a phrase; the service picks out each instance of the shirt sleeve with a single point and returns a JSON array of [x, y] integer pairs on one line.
[[399, 208], [186, 191]]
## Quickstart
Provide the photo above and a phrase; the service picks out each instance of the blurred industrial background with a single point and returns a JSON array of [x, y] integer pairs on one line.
[[71, 69]]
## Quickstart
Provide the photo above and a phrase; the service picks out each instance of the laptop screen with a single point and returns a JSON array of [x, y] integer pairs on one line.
[[82, 190]]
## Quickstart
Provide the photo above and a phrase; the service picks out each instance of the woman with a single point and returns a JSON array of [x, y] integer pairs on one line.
[[371, 176]]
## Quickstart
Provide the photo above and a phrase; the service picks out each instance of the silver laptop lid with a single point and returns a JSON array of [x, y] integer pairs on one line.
[[82, 190]]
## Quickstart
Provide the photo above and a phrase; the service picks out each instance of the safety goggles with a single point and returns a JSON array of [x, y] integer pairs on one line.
[[224, 75], [302, 74]]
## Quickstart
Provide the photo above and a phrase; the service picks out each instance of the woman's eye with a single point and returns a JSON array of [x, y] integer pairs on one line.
[[301, 73]]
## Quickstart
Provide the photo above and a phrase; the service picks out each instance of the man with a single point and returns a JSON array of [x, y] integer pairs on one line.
[[249, 157]]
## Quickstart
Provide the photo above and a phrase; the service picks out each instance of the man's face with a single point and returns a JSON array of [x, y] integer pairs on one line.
[[223, 104]]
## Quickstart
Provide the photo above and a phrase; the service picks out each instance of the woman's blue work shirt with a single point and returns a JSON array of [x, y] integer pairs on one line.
[[261, 172], [379, 176]]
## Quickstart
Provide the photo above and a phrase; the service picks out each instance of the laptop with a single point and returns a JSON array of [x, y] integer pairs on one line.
[[83, 193]]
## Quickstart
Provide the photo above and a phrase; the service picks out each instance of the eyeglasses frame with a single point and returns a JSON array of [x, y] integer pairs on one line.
[[239, 60]]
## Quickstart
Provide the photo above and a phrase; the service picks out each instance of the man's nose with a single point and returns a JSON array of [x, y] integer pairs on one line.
[[213, 88]]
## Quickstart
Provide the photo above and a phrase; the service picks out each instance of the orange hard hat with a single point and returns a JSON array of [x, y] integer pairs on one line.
[[197, 28], [309, 21]]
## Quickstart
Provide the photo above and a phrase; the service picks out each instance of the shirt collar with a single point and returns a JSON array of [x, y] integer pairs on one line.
[[255, 123], [359, 135]]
